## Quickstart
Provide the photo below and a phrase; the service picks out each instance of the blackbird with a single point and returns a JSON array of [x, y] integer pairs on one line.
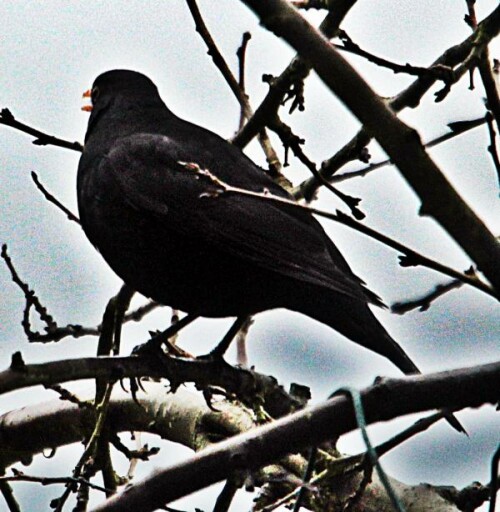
[[160, 226]]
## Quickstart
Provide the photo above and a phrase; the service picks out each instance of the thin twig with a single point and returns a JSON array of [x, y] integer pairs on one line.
[[486, 71], [456, 128], [241, 54], [492, 148], [424, 303], [452, 76], [41, 138], [311, 463], [31, 300], [294, 142], [19, 476], [90, 449], [69, 214], [350, 46], [240, 95], [410, 258], [143, 453], [55, 333], [66, 395]]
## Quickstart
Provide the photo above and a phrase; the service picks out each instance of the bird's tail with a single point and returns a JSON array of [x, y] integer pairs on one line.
[[355, 320]]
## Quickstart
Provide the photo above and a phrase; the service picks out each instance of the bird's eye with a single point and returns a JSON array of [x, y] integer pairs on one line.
[[94, 94]]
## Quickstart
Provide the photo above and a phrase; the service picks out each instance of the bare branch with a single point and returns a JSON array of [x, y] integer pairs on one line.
[[456, 128], [69, 214], [246, 384], [54, 332], [402, 143], [424, 303], [492, 148], [294, 142], [485, 69], [268, 443], [409, 97], [350, 46], [241, 54], [41, 138], [31, 301], [213, 51], [19, 476], [410, 258], [296, 71]]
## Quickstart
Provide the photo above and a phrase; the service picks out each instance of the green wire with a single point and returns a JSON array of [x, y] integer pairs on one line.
[[494, 479], [372, 454]]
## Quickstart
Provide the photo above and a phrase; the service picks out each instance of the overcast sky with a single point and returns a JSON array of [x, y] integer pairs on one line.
[[52, 51]]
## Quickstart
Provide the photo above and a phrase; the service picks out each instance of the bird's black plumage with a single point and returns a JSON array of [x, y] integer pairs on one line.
[[230, 255]]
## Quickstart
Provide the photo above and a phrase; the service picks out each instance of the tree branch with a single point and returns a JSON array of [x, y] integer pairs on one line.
[[52, 199], [485, 69], [400, 142], [456, 128], [297, 70], [41, 138], [239, 93], [390, 398], [411, 258], [246, 384], [409, 97]]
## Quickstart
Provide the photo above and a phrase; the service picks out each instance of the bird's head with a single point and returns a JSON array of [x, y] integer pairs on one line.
[[121, 83], [120, 92]]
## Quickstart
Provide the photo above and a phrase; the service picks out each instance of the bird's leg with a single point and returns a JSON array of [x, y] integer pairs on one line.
[[222, 347], [241, 344], [153, 346], [158, 339]]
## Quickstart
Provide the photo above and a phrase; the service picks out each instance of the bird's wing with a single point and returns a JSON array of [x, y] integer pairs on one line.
[[156, 176]]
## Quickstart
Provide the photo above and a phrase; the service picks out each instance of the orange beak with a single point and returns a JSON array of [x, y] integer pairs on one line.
[[87, 94]]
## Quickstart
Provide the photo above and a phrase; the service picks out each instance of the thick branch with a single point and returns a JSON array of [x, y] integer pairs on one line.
[[409, 97], [184, 418], [245, 384], [400, 142], [173, 416], [470, 387]]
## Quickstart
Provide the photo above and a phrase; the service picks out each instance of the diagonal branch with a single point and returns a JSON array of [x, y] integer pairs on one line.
[[411, 258], [485, 69], [424, 303], [297, 70], [456, 128], [408, 98], [439, 199], [390, 398], [52, 199], [238, 91]]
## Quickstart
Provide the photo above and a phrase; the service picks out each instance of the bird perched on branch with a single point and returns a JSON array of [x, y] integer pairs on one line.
[[163, 230]]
